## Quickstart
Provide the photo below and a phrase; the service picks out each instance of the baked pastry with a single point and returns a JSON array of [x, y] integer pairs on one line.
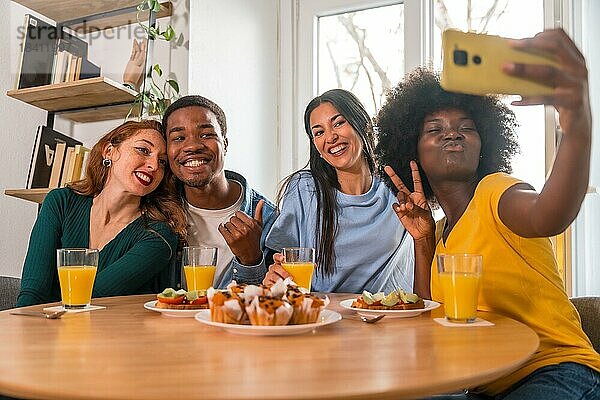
[[225, 307], [269, 311], [396, 300], [307, 307]]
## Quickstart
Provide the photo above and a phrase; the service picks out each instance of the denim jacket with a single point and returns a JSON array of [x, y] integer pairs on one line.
[[252, 274]]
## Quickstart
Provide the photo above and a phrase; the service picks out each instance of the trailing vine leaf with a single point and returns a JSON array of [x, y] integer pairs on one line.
[[173, 83], [155, 99]]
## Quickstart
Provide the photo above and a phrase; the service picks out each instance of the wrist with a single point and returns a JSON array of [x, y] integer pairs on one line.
[[130, 85], [249, 261]]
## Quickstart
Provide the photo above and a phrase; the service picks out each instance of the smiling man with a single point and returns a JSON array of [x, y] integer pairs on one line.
[[223, 211]]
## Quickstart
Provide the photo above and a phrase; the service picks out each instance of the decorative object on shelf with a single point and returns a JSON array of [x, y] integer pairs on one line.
[[134, 71], [152, 99]]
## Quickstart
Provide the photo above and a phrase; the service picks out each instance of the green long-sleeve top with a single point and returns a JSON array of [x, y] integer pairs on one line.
[[136, 261]]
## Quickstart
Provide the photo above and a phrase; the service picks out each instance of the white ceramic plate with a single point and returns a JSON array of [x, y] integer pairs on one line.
[[327, 317], [151, 305], [429, 305]]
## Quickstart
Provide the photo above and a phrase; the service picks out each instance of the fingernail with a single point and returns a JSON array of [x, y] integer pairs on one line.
[[508, 67]]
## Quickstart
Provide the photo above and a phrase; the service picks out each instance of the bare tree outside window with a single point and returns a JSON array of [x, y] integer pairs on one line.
[[363, 52]]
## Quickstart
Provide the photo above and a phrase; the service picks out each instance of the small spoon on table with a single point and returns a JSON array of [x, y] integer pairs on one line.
[[52, 315], [371, 320]]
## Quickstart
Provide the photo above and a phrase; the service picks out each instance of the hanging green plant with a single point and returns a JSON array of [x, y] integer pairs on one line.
[[155, 93], [154, 32]]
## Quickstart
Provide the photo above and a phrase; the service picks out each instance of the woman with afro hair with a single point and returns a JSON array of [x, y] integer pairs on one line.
[[454, 150]]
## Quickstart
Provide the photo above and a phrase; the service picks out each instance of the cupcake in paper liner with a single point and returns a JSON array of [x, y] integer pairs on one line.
[[224, 307], [278, 288], [307, 307], [235, 288], [269, 311]]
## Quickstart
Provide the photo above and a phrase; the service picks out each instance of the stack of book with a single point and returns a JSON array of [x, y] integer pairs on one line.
[[56, 160], [49, 55]]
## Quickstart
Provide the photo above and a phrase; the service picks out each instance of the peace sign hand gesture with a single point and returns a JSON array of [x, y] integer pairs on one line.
[[412, 208]]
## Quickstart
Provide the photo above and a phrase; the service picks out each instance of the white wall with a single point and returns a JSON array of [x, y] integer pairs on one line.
[[17, 134], [20, 120], [234, 62]]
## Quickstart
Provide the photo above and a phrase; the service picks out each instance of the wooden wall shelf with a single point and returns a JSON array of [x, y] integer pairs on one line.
[[77, 100], [34, 195], [68, 10]]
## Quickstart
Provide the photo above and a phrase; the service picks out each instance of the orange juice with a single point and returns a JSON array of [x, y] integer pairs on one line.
[[199, 277], [76, 284], [301, 272], [461, 290]]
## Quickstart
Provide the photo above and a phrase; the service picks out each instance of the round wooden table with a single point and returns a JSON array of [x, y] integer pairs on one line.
[[128, 352]]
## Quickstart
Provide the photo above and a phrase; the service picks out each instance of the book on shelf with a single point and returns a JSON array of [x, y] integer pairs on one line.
[[79, 153], [73, 164], [44, 156], [70, 51], [37, 52], [72, 44], [64, 176], [59, 156], [84, 164], [88, 69]]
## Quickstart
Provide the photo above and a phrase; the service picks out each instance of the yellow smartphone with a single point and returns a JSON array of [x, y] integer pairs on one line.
[[472, 64]]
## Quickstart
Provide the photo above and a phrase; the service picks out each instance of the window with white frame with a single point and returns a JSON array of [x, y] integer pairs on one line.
[[367, 46]]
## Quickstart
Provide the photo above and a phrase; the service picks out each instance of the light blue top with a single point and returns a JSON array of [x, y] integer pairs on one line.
[[373, 250]]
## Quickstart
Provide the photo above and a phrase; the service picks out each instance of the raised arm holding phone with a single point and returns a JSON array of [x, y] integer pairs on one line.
[[454, 150]]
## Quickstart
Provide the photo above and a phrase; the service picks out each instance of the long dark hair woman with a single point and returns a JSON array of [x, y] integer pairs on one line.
[[340, 207], [125, 206]]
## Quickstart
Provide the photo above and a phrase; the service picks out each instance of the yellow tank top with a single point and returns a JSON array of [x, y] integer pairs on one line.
[[520, 280]]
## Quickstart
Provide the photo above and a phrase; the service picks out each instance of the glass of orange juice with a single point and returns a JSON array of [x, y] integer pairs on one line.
[[300, 263], [199, 265], [76, 275], [460, 276]]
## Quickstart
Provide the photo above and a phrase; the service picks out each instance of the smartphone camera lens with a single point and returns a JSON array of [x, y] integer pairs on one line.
[[477, 60], [460, 57]]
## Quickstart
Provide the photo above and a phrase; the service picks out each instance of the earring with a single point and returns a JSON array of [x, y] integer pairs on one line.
[[107, 162]]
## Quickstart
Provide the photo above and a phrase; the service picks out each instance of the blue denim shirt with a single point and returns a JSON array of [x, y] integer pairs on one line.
[[251, 274]]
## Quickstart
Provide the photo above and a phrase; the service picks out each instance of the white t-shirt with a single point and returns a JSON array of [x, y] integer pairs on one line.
[[203, 231]]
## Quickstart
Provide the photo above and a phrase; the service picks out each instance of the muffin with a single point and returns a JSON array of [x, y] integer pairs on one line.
[[269, 311], [225, 307], [307, 307]]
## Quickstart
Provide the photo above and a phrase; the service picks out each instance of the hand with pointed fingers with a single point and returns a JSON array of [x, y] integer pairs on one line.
[[569, 79], [276, 271], [412, 208], [134, 70], [242, 234]]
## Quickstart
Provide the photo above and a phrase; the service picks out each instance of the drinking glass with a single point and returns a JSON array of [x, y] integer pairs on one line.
[[76, 275], [460, 276], [199, 265], [300, 263]]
